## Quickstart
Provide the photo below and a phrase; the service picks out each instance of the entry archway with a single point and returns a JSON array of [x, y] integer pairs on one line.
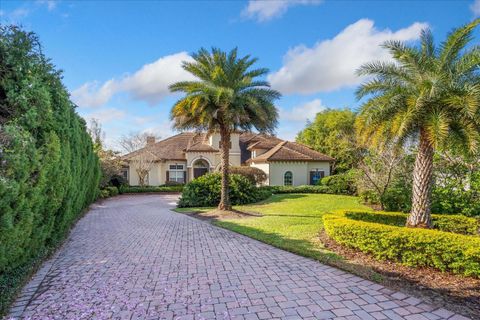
[[200, 167]]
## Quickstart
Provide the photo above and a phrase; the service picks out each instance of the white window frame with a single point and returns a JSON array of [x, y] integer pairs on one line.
[[176, 173]]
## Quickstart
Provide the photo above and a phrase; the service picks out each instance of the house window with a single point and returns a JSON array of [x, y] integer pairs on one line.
[[288, 178], [177, 173], [316, 176], [125, 173]]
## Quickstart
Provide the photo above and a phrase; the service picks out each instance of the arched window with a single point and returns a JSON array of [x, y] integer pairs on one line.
[[288, 178]]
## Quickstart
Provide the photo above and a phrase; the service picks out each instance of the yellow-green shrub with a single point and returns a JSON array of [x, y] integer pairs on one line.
[[445, 251], [449, 223]]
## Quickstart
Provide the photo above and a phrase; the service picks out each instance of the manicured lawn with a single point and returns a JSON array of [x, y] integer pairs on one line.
[[290, 221]]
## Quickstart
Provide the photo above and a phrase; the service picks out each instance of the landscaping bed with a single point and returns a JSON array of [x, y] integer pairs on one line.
[[381, 235], [454, 292]]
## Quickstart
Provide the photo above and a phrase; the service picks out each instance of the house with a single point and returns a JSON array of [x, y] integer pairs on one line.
[[189, 155]]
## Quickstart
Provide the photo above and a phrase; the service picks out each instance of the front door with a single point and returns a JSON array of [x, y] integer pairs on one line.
[[198, 172]]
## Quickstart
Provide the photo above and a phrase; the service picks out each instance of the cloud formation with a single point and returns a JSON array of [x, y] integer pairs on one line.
[[267, 10], [475, 7], [149, 84], [106, 115], [331, 64], [50, 4], [302, 113]]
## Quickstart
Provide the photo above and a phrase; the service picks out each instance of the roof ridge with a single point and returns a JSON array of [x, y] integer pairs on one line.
[[275, 149]]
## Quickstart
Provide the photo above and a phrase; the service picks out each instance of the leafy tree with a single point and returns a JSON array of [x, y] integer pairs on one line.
[[333, 133], [429, 96], [226, 96]]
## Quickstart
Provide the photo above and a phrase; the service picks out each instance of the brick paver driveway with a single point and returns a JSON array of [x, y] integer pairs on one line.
[[132, 258]]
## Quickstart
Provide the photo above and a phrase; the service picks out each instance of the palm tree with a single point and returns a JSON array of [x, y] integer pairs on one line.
[[429, 96], [225, 97]]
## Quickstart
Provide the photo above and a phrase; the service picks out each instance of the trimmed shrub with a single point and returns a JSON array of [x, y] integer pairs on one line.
[[410, 246], [298, 189], [147, 189], [342, 183], [255, 175], [205, 191], [448, 223]]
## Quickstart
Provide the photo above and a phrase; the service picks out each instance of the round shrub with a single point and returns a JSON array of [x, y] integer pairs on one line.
[[205, 191], [342, 183], [254, 175]]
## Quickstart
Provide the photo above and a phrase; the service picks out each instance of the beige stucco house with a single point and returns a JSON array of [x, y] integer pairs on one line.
[[188, 155]]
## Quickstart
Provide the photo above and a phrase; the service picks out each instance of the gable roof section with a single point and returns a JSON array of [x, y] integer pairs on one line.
[[291, 151]]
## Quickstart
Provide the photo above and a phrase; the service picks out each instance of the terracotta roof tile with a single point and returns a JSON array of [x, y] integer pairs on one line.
[[174, 148]]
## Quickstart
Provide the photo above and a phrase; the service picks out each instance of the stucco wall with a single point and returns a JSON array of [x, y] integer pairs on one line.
[[154, 175], [300, 171]]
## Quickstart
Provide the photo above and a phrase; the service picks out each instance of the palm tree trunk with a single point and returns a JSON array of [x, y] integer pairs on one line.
[[225, 153], [422, 185]]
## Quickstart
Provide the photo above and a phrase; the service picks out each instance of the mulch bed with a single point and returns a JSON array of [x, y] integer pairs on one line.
[[221, 215], [454, 292]]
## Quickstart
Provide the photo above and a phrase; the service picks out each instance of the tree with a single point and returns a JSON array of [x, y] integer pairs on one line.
[[429, 95], [333, 133], [225, 97], [378, 170], [110, 161], [140, 157]]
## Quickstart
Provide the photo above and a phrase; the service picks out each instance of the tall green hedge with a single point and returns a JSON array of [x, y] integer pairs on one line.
[[48, 170]]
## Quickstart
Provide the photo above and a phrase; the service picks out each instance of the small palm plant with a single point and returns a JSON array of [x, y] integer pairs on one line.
[[430, 96], [226, 97]]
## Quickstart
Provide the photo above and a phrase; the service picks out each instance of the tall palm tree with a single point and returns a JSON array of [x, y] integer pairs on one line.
[[225, 97], [430, 96]]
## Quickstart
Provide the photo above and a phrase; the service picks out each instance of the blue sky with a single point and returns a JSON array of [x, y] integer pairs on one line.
[[119, 57]]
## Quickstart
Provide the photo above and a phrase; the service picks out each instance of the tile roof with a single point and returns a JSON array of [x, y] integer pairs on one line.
[[291, 151], [175, 147]]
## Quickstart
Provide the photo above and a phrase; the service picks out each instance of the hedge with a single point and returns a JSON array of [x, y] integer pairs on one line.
[[448, 223], [298, 189], [147, 189], [48, 169], [413, 247]]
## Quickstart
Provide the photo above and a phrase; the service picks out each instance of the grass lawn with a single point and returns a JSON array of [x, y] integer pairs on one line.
[[290, 221]]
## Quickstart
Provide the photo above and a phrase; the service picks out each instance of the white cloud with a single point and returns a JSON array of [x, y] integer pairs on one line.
[[106, 115], [163, 129], [263, 10], [303, 112], [331, 64], [14, 16], [150, 83], [50, 4], [475, 7]]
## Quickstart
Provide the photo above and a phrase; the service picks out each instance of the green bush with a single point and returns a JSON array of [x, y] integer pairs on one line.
[[342, 183], [298, 189], [254, 175], [448, 223], [49, 172], [148, 189], [205, 191], [410, 246], [109, 192]]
